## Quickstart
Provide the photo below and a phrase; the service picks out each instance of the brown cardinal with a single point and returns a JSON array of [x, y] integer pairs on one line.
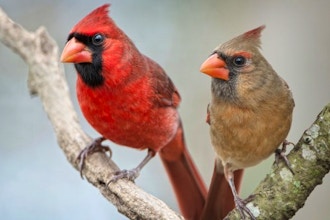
[[250, 115], [128, 99]]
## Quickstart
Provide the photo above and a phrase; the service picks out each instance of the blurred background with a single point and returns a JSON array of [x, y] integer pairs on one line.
[[36, 181]]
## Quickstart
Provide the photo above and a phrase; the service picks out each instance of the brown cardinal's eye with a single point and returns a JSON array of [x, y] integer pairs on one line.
[[239, 61], [97, 39]]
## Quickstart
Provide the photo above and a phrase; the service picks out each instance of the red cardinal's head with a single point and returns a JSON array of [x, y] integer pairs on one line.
[[91, 43]]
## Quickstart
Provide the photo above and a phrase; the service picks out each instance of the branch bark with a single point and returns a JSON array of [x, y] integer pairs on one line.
[[278, 196]]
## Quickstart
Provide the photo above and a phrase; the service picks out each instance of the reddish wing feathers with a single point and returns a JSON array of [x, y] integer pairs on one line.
[[165, 92]]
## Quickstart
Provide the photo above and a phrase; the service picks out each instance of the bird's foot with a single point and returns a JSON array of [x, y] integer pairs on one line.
[[243, 210], [128, 174], [95, 146], [133, 173], [280, 154], [249, 198]]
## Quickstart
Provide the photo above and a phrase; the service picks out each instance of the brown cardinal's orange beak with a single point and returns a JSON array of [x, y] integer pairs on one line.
[[215, 67], [76, 52]]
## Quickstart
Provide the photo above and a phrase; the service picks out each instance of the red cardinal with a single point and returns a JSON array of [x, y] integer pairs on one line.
[[250, 115], [128, 99]]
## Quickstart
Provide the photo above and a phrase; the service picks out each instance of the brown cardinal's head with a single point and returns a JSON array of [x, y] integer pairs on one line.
[[237, 65]]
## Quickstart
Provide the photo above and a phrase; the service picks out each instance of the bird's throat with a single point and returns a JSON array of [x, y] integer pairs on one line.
[[224, 90], [90, 74]]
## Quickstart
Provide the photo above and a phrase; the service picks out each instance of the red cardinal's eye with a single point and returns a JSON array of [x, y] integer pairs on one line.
[[239, 61], [97, 39]]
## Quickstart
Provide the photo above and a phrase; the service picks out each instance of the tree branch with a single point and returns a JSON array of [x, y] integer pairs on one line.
[[278, 196], [46, 80]]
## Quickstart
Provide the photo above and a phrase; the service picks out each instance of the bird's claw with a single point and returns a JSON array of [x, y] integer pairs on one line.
[[127, 174], [241, 206], [249, 199], [280, 154], [95, 146]]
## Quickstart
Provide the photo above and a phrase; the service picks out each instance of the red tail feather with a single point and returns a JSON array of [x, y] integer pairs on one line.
[[187, 183]]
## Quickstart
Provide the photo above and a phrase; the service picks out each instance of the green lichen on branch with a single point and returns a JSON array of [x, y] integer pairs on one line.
[[281, 194]]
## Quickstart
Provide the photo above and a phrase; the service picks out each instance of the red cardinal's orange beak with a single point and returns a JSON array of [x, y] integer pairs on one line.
[[215, 67], [76, 52]]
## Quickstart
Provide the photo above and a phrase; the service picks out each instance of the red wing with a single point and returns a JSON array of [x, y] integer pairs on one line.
[[166, 94]]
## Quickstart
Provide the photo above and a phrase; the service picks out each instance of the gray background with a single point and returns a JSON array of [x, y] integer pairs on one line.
[[36, 181]]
